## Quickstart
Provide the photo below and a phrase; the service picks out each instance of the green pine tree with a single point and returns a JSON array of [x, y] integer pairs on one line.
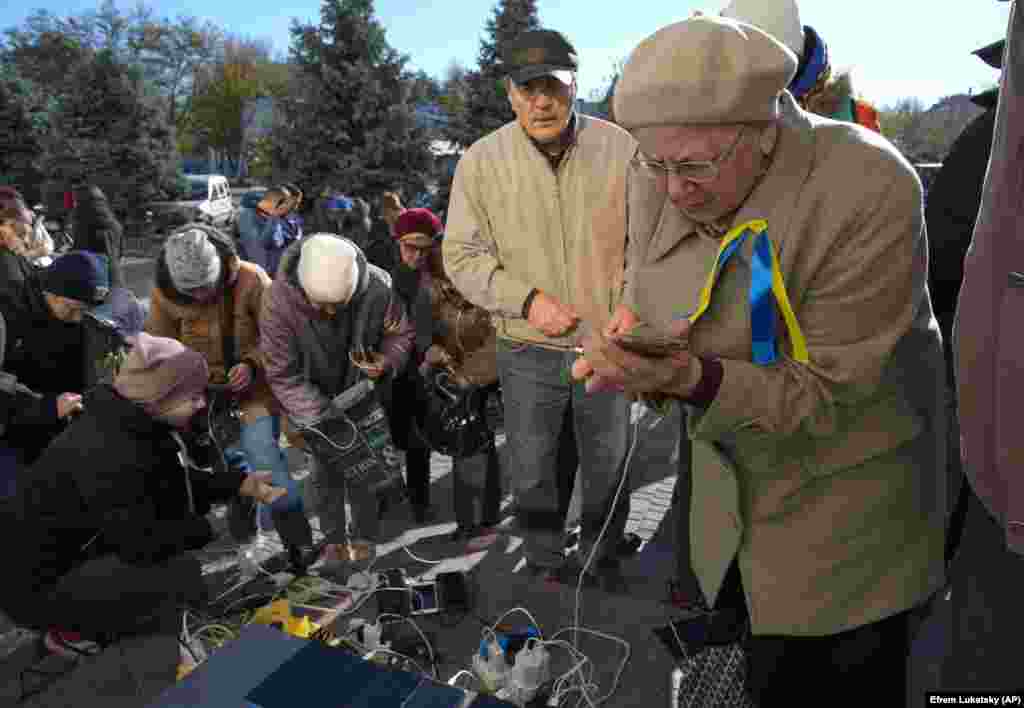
[[107, 133], [24, 128], [485, 106], [348, 121]]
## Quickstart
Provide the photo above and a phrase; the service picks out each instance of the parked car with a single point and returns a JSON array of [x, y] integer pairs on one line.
[[207, 198]]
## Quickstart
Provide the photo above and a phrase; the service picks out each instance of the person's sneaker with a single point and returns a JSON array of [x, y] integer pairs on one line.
[[300, 558], [482, 537], [70, 645], [692, 601], [572, 539]]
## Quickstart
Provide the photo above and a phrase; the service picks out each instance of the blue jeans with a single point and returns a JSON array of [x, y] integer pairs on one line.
[[259, 442], [537, 389], [10, 470]]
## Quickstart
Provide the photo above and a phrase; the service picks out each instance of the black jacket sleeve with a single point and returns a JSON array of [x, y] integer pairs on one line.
[[127, 508], [137, 536], [24, 409]]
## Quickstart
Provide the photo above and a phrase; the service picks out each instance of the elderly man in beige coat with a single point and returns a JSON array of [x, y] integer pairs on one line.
[[536, 235], [787, 253]]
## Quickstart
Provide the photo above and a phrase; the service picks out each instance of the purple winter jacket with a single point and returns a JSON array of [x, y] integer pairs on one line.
[[284, 321]]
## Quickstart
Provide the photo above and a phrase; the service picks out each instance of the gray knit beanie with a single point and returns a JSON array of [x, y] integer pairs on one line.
[[192, 260]]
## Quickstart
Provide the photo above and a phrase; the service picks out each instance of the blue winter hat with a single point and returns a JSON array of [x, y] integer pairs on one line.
[[339, 202], [79, 275]]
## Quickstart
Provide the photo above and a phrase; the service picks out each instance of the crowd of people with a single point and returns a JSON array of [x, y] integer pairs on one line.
[[743, 204]]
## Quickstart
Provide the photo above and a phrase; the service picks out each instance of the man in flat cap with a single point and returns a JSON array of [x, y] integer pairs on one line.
[[536, 235], [787, 252]]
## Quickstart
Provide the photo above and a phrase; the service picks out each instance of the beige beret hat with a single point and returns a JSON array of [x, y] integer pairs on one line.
[[704, 70], [779, 18]]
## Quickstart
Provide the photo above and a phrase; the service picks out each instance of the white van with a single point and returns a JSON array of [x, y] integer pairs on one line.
[[211, 197]]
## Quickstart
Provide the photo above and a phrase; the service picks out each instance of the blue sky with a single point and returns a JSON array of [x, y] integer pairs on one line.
[[896, 48]]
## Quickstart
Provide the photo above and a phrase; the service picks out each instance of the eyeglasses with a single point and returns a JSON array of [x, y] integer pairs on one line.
[[701, 172]]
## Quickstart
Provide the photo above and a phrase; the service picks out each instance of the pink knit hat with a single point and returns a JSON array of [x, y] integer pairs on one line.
[[160, 371]]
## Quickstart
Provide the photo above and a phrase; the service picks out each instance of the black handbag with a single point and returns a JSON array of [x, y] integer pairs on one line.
[[455, 421]]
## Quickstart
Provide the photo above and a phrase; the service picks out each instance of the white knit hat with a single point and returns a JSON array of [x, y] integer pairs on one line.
[[779, 18], [192, 259], [328, 269]]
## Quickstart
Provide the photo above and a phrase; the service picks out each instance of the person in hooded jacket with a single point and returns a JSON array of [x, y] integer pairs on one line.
[[46, 346], [96, 229], [106, 516], [210, 299], [327, 294]]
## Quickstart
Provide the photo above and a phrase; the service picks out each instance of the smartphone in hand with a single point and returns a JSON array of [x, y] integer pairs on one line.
[[647, 340]]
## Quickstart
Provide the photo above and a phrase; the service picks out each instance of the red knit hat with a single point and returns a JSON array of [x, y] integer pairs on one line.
[[417, 226]]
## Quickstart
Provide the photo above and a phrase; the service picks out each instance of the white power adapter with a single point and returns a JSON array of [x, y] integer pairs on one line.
[[371, 636], [490, 667], [531, 671]]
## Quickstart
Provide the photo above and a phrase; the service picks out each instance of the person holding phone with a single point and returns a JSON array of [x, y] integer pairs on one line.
[[787, 254], [536, 235], [106, 517]]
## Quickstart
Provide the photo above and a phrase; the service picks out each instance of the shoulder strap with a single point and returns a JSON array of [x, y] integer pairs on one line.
[[227, 328]]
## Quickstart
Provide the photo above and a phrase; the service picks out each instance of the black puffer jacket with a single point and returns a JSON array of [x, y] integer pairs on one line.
[[953, 203], [96, 229], [112, 483], [44, 353]]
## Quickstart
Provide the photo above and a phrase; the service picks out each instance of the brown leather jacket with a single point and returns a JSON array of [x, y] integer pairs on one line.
[[201, 326], [466, 333]]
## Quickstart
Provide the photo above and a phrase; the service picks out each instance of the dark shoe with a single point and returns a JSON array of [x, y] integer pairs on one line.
[[69, 645], [629, 545], [300, 558], [545, 573], [242, 519], [603, 573], [423, 513], [460, 534]]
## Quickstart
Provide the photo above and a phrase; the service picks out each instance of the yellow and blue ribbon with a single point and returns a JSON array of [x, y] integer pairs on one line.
[[767, 291]]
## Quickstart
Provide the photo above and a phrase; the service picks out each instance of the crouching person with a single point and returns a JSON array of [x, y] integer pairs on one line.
[[209, 299], [105, 517], [329, 316]]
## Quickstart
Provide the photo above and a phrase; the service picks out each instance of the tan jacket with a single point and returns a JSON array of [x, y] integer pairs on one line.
[[200, 327], [827, 478], [515, 224]]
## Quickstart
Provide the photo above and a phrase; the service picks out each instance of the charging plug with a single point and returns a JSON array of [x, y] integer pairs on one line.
[[531, 671], [371, 635], [359, 581], [248, 565]]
